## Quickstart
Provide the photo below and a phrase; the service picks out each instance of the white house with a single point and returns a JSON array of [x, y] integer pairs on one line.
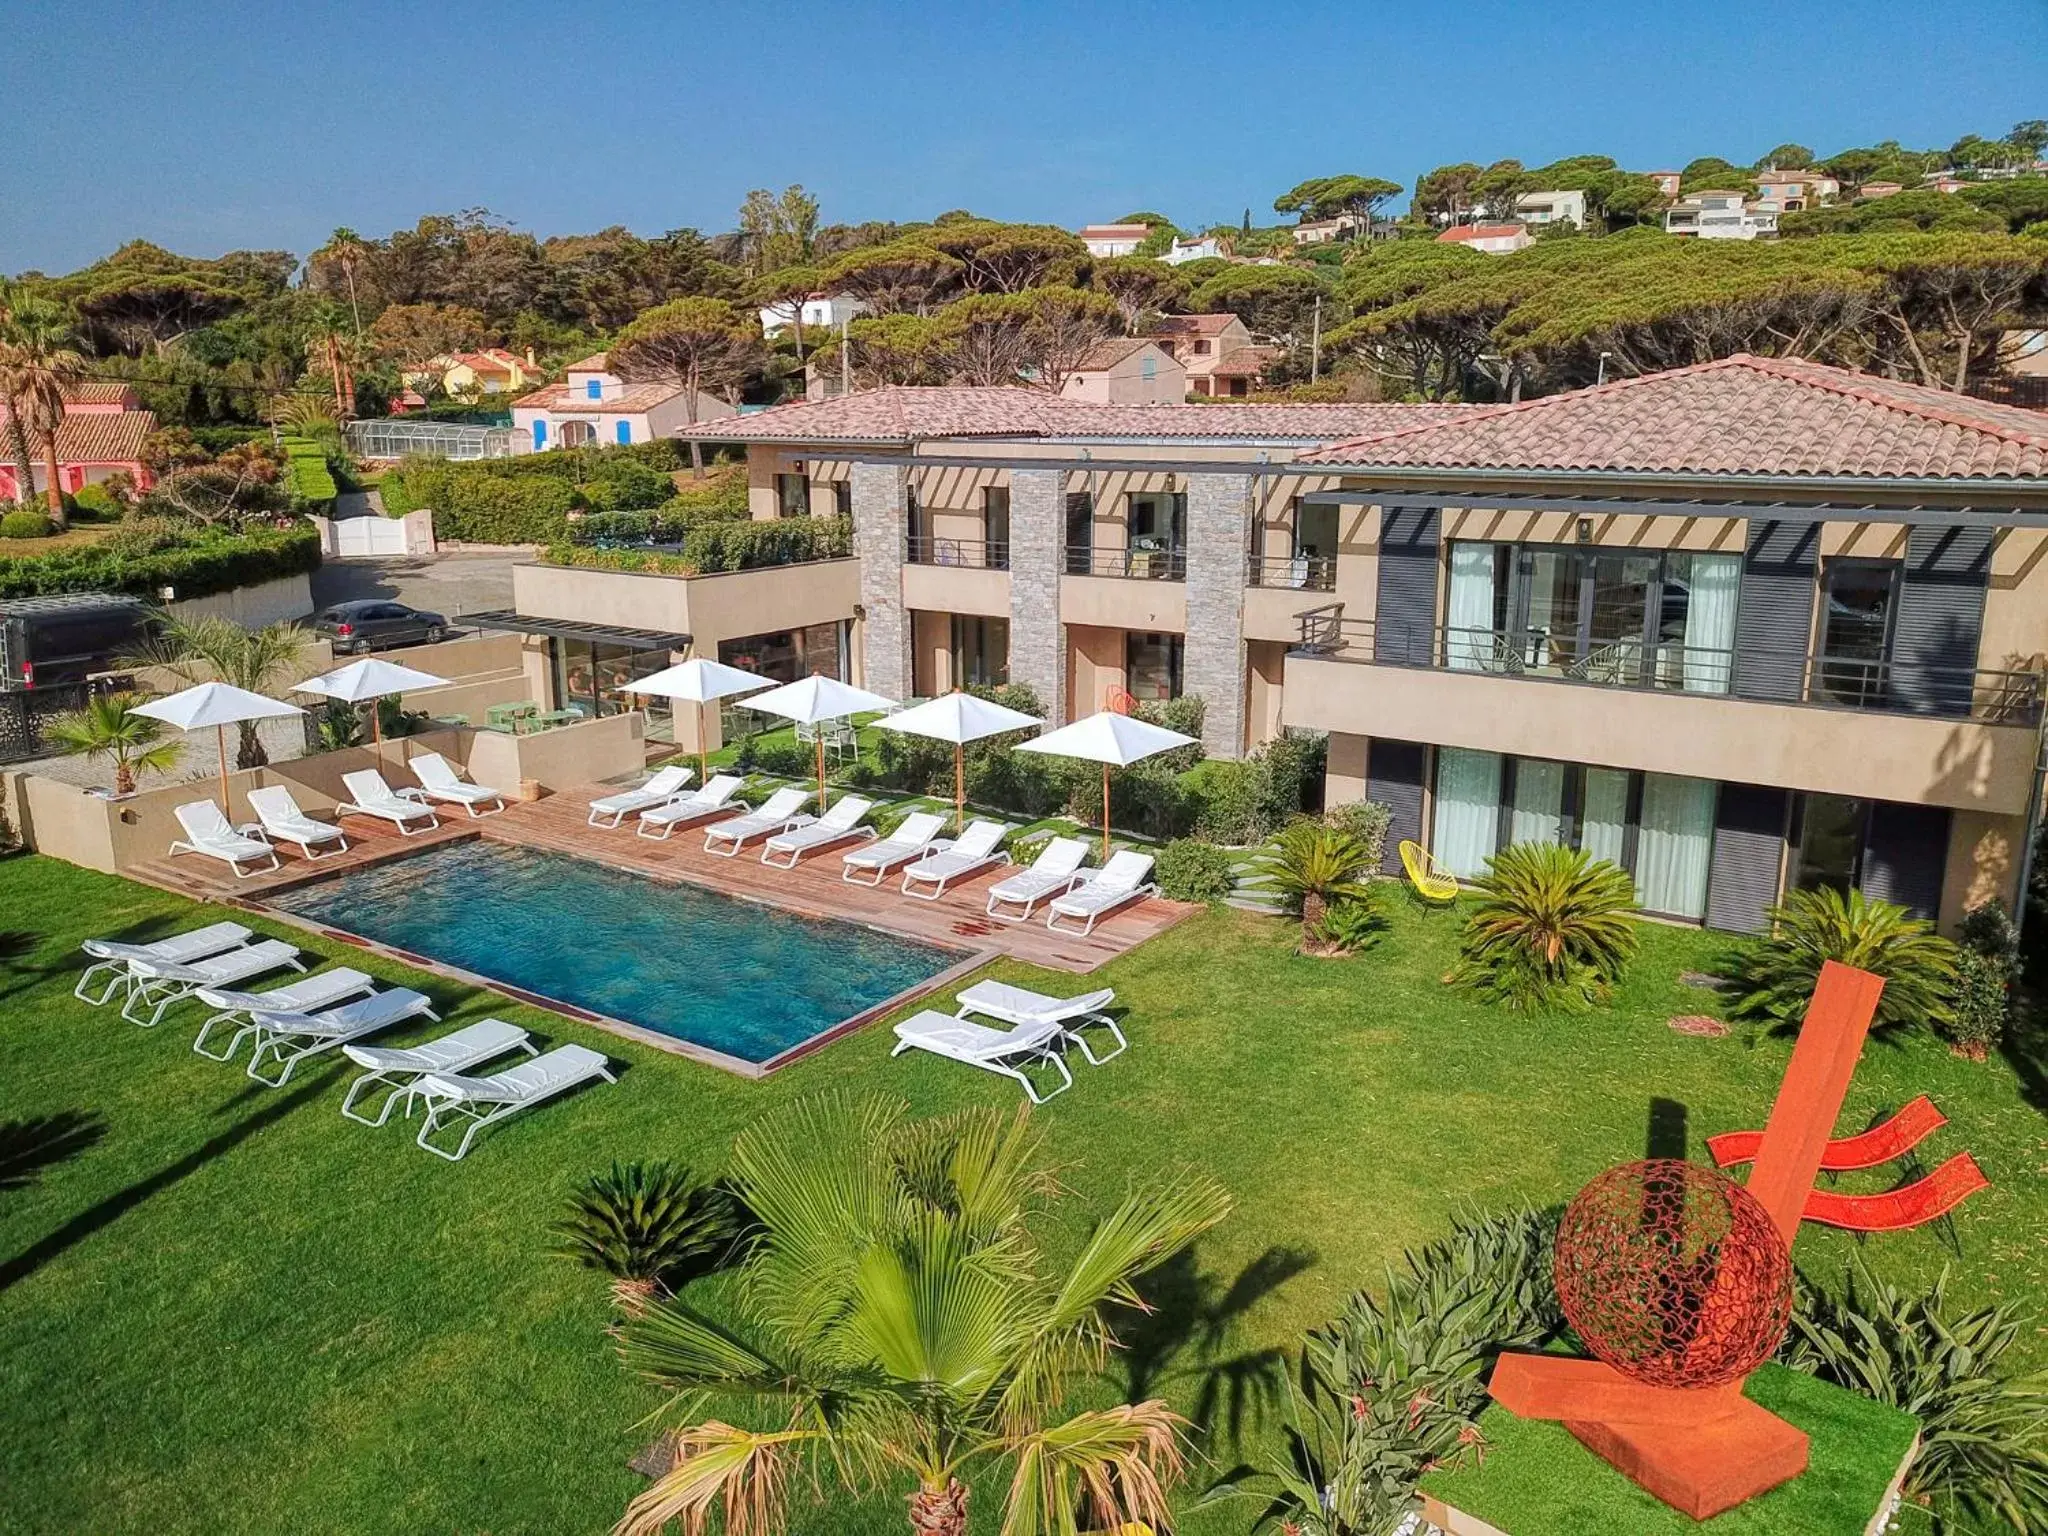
[[594, 405], [1192, 250], [1107, 240], [1493, 239], [1551, 208], [1720, 216], [821, 311]]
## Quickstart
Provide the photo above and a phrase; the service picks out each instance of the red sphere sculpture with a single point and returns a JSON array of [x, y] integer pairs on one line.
[[1673, 1274]]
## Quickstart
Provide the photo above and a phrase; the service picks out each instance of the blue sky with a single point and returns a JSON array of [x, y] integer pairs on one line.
[[211, 126]]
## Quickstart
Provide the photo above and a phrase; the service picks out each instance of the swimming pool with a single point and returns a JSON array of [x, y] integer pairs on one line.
[[745, 981]]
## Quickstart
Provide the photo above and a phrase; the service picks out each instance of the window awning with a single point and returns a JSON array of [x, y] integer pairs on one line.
[[572, 629]]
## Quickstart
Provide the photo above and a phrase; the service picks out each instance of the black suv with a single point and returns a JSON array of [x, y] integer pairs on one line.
[[370, 622]]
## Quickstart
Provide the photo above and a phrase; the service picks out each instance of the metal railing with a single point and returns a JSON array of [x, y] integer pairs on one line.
[[1887, 685], [1305, 573], [1138, 564], [979, 554]]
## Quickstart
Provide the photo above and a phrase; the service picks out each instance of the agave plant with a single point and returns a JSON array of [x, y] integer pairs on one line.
[[1777, 973], [1552, 928], [646, 1223], [898, 1317], [1983, 1428], [108, 727], [1311, 865]]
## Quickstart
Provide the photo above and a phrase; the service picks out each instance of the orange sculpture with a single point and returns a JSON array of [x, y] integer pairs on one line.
[[1706, 1448]]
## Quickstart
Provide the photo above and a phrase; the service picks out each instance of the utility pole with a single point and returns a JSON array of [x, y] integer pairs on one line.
[[1315, 346]]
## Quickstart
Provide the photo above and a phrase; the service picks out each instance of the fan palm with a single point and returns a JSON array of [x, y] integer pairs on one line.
[[1551, 928], [1312, 864], [1778, 972], [900, 1318], [37, 369], [108, 727], [213, 649]]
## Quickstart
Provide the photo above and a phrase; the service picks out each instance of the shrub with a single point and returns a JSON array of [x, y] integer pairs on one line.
[[95, 503], [1551, 928], [742, 546], [481, 508], [648, 1224], [1147, 798], [23, 524], [1354, 923], [1185, 715], [628, 486], [918, 764], [1983, 1437], [1366, 820], [1024, 782], [148, 554], [1311, 866], [1987, 964], [1778, 971], [784, 757], [1189, 869]]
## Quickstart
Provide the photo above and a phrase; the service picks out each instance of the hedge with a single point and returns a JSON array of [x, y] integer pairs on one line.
[[142, 559], [742, 546], [307, 471]]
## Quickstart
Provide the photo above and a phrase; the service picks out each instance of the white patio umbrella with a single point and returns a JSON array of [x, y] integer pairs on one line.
[[698, 681], [368, 679], [959, 718], [814, 699], [1115, 741], [219, 705]]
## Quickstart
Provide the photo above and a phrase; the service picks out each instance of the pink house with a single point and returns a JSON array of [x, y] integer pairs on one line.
[[103, 431]]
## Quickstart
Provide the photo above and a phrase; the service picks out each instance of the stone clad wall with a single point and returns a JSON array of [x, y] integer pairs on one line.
[[879, 531], [1212, 665], [1038, 521]]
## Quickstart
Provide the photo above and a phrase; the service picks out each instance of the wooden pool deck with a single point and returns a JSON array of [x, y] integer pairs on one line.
[[557, 824]]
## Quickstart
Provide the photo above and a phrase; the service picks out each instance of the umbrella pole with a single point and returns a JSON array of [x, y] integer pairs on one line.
[[220, 740], [959, 787], [1105, 813], [821, 773], [376, 725], [703, 735]]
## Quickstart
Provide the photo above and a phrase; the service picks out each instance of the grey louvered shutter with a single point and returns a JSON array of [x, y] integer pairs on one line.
[[1905, 855], [1940, 619], [1774, 619], [1404, 630], [1393, 777], [1749, 846]]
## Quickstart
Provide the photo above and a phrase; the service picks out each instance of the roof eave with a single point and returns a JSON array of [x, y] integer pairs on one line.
[[1974, 488]]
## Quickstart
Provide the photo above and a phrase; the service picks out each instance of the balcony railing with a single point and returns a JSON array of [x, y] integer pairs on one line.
[[1780, 675], [1139, 564], [978, 554], [1305, 573]]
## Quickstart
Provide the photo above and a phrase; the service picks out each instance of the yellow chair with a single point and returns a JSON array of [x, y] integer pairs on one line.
[[1431, 880]]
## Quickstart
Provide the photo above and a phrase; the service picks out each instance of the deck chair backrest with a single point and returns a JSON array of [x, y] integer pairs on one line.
[[784, 802], [718, 788], [980, 839], [203, 822], [432, 768], [1125, 871], [366, 786], [918, 828], [1061, 856], [667, 781], [847, 811], [274, 803]]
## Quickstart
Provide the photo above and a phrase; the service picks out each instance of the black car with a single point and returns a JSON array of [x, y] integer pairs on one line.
[[369, 623]]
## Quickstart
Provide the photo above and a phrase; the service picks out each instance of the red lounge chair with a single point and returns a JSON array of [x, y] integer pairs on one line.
[[1880, 1144], [1909, 1206]]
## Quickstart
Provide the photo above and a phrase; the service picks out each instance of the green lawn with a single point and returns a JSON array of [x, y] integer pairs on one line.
[[233, 1311]]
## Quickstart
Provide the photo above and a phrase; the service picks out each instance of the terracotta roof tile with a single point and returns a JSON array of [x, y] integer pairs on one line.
[[1459, 233], [904, 414], [99, 392], [103, 437], [591, 364], [1107, 354], [1741, 415], [1192, 325], [634, 397], [1244, 362]]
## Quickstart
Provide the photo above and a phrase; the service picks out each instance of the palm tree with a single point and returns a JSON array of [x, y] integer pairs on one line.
[[14, 372], [212, 649], [346, 248], [39, 368], [1313, 864], [108, 727], [899, 1318]]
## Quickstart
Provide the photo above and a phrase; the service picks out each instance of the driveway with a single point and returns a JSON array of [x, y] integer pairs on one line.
[[448, 584]]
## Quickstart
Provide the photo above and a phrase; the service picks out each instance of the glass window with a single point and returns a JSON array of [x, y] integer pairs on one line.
[[981, 651], [1080, 531], [842, 498], [1152, 666], [1474, 642], [1467, 818], [1830, 843], [1696, 622], [1537, 815], [995, 526], [793, 495], [592, 677], [1675, 845], [1856, 630], [1603, 815]]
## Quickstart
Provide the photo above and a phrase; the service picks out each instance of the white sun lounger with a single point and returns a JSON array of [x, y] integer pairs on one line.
[[401, 1068], [974, 850], [1122, 879], [1006, 1004], [840, 821], [780, 812], [289, 1038], [714, 797], [479, 1101], [208, 832], [912, 839], [612, 810], [439, 781], [309, 994], [110, 957], [283, 822], [156, 984], [1005, 1052], [373, 797], [1050, 874]]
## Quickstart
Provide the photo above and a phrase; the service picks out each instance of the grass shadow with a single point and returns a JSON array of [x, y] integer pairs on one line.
[[27, 1147]]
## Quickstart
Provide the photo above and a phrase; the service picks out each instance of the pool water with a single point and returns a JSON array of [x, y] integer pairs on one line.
[[744, 980]]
